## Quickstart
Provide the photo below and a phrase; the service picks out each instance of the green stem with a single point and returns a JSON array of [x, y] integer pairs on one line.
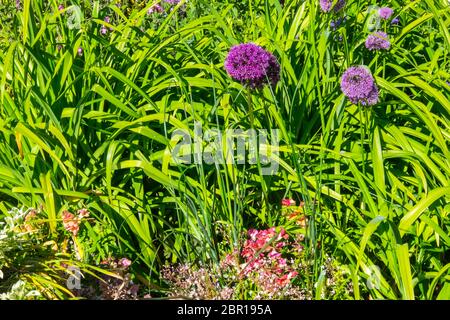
[[250, 108], [363, 158]]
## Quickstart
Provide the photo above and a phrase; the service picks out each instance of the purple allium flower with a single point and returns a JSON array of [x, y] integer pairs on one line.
[[155, 8], [395, 21], [103, 30], [377, 41], [251, 65], [107, 19], [80, 51], [385, 13], [327, 5], [61, 7], [358, 84]]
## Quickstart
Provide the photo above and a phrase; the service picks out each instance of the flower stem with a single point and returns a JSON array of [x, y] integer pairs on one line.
[[250, 107], [363, 159]]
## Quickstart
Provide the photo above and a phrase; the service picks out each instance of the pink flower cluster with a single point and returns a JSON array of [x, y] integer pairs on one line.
[[263, 258], [287, 202], [71, 222]]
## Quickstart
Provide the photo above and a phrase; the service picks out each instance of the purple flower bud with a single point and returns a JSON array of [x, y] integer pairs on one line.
[[395, 21], [80, 51]]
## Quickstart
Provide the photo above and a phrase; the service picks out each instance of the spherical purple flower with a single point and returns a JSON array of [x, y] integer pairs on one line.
[[252, 66], [378, 41], [358, 84], [385, 13], [327, 5]]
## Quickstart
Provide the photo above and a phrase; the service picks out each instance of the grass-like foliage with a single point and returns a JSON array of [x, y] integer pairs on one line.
[[89, 103]]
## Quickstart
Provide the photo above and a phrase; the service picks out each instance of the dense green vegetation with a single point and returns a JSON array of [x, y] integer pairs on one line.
[[87, 116]]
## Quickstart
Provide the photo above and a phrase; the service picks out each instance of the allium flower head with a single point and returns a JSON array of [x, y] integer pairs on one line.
[[378, 41], [358, 84], [252, 65], [385, 13], [327, 5]]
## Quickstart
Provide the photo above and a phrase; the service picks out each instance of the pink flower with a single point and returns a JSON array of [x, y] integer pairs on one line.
[[274, 254], [252, 233], [83, 213], [30, 215], [124, 262], [70, 222], [287, 202]]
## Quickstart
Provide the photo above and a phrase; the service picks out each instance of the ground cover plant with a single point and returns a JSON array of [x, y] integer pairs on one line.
[[258, 149]]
